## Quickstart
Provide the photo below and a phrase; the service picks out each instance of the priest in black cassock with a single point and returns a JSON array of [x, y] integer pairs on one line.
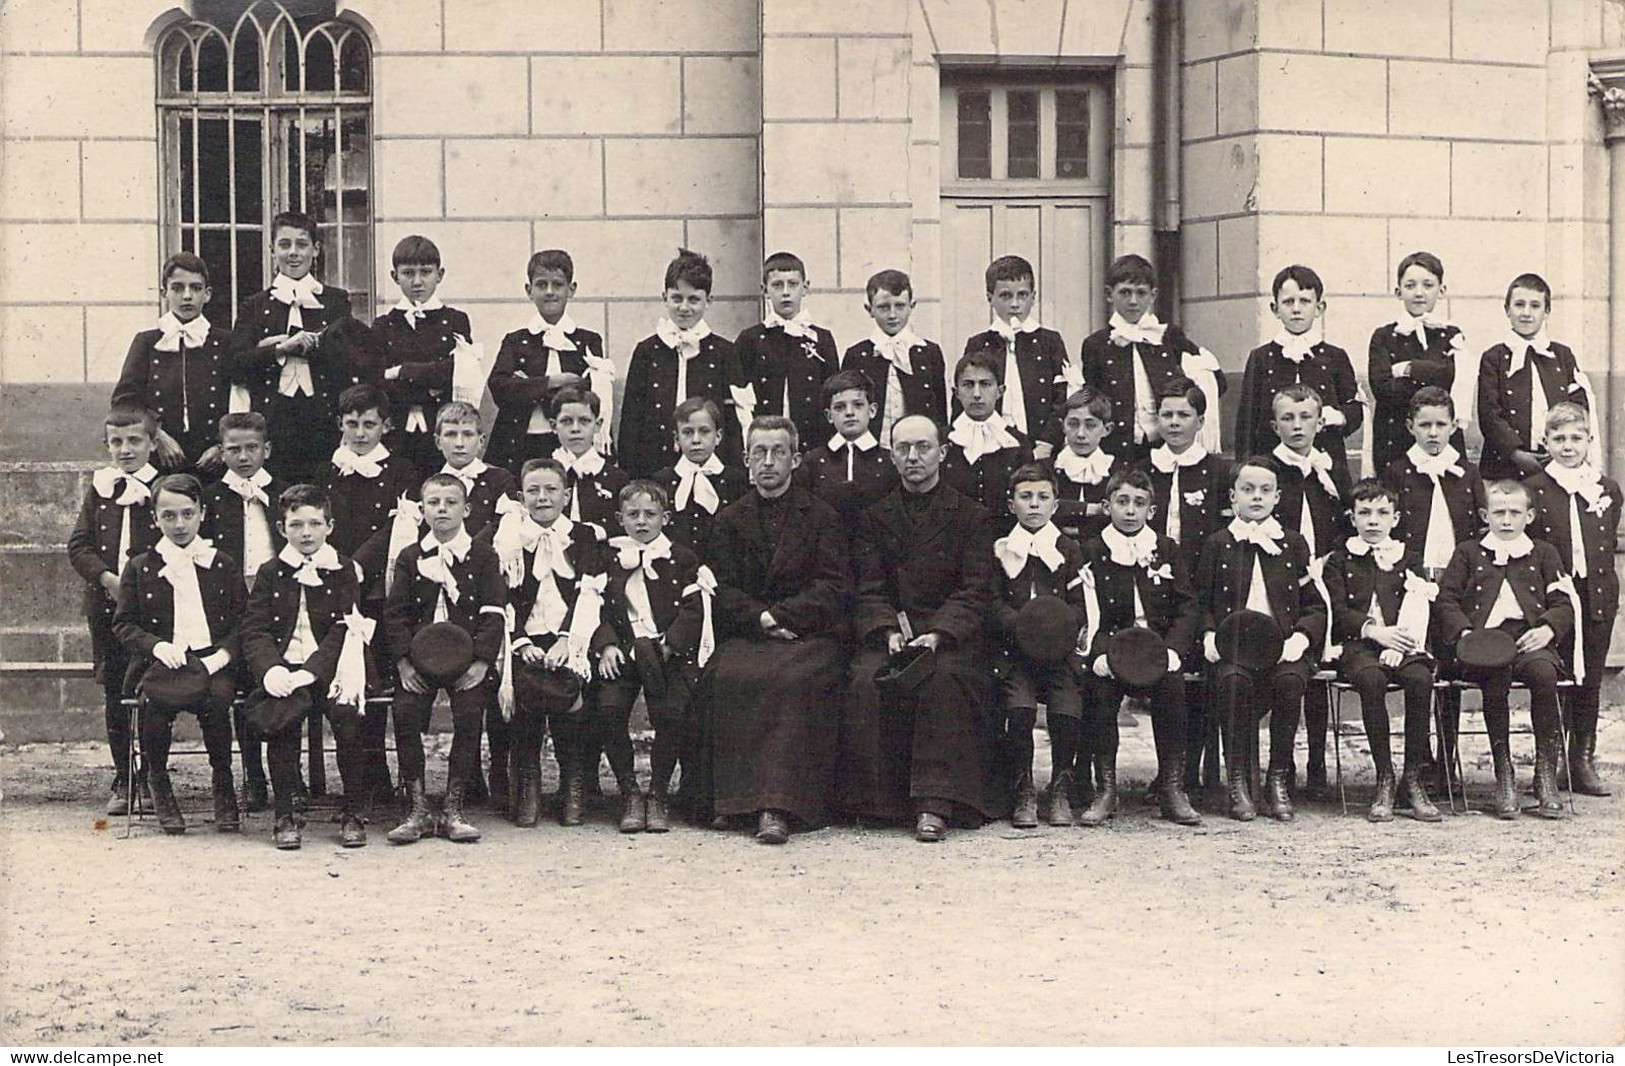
[[925, 577], [772, 692]]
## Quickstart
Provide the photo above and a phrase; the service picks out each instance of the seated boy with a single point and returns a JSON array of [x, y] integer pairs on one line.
[[534, 362], [982, 449], [1298, 355], [1254, 564], [1511, 410], [1134, 577], [239, 518], [1031, 359], [415, 339], [115, 524], [908, 373], [1082, 468], [447, 576], [1035, 559], [655, 611], [1507, 581], [699, 484], [594, 482], [1569, 495], [681, 359], [1136, 357], [1380, 608], [785, 358], [176, 371], [555, 570], [853, 469], [300, 617]]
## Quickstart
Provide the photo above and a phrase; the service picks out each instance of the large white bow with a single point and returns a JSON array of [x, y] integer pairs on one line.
[[193, 334]]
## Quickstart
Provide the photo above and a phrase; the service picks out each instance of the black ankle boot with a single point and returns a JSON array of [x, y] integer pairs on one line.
[[1382, 804], [1175, 805], [226, 816], [1506, 782], [163, 802], [1278, 795], [1548, 750], [1582, 756]]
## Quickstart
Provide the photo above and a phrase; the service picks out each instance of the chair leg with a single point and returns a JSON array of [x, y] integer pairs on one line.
[[134, 761], [1444, 755]]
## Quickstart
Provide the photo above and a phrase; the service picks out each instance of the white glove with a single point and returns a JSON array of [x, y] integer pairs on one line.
[[1293, 649], [171, 655], [1101, 667], [1210, 648], [1173, 661]]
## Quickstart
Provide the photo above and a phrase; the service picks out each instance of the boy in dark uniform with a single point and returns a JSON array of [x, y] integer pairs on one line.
[[785, 358], [1571, 495], [1135, 357], [1082, 468], [1511, 410], [1380, 609], [177, 370], [1035, 559], [699, 484], [1031, 360], [1298, 355], [1417, 350], [909, 375], [492, 491], [296, 348], [1440, 492], [594, 482], [1134, 577], [415, 340], [982, 451], [115, 524], [1256, 565], [1508, 581], [852, 470], [682, 358], [534, 362]]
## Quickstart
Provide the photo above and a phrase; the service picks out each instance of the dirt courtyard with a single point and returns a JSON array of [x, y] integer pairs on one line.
[[1330, 930]]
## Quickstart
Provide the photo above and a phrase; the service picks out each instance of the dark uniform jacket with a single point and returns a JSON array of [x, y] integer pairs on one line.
[[1463, 498], [1037, 579], [482, 594], [933, 561], [1074, 498], [146, 609], [801, 576], [423, 352], [673, 599], [691, 526], [273, 613], [1109, 368], [223, 517], [1165, 591], [595, 498], [1224, 576], [646, 441], [1352, 580], [1504, 405], [1470, 584], [186, 391], [588, 557], [1204, 502], [873, 475], [770, 358], [362, 510], [1039, 358], [1328, 514], [93, 545], [1434, 365], [986, 482], [925, 387], [1327, 370], [490, 485], [1599, 528], [519, 384]]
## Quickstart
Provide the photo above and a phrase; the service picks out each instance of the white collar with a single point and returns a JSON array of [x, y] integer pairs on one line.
[[1137, 550], [260, 478], [799, 326], [305, 290], [412, 310], [468, 474], [1418, 325], [195, 333], [1008, 330], [1013, 550], [368, 466], [1089, 469], [199, 551], [686, 466], [1316, 462], [1386, 554], [1165, 459], [979, 438], [686, 342], [630, 554], [1520, 347], [1267, 534], [1298, 346], [864, 443], [902, 340], [555, 335], [589, 464], [1516, 548], [137, 489], [1146, 331], [457, 546], [1435, 466], [1583, 480], [324, 558]]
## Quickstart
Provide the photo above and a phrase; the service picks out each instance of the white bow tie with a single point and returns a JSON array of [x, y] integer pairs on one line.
[[1138, 550], [895, 349], [197, 552], [1008, 330], [799, 326], [414, 312], [632, 555], [1435, 466], [1298, 346], [555, 335], [1166, 460], [367, 466], [1089, 469], [1503, 550], [437, 559], [249, 488], [1418, 325], [468, 475], [549, 543], [694, 482], [685, 342], [307, 568], [1146, 331], [302, 291], [1582, 480], [580, 465], [130, 488], [1266, 535], [194, 333], [1316, 462], [1014, 550], [981, 438], [1386, 554], [1540, 344]]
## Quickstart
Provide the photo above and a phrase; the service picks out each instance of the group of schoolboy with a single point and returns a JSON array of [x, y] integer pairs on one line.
[[957, 551]]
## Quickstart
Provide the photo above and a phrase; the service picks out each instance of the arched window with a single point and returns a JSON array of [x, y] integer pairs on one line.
[[266, 106]]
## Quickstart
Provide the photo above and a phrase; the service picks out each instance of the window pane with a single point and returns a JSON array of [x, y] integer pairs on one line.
[[245, 58], [184, 166], [214, 192], [1023, 108], [1071, 134], [250, 172], [319, 64], [211, 64], [215, 248], [250, 264], [975, 135], [353, 64]]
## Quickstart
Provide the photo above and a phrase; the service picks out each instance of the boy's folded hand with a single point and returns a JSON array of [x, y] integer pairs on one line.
[[1536, 639], [171, 655]]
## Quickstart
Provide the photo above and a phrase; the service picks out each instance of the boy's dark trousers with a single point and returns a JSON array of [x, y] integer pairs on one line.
[[533, 720], [373, 782], [112, 660], [1582, 704], [1024, 688], [1102, 698], [282, 752], [1539, 671], [252, 748], [214, 719], [412, 712], [676, 731], [1243, 698], [1370, 679]]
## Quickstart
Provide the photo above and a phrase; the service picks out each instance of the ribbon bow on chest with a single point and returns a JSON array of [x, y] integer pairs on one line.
[[1145, 331], [1089, 469], [300, 295], [977, 439], [799, 326], [1138, 550], [251, 489], [1266, 535], [368, 466], [193, 334], [124, 489], [1504, 551], [685, 342], [415, 313], [1316, 463], [895, 349], [181, 563], [633, 555], [694, 483], [438, 560], [1014, 550]]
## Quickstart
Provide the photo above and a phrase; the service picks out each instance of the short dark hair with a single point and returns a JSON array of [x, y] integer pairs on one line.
[[364, 397], [543, 462], [689, 267], [983, 358], [1031, 472], [1508, 486], [1089, 399], [1183, 389], [893, 281], [1262, 462], [1131, 268], [181, 485], [129, 414], [1009, 268], [296, 220], [845, 381], [295, 496], [444, 481], [1372, 489], [786, 262], [773, 424], [644, 487], [184, 261], [1430, 396], [1303, 276], [415, 250], [1134, 477], [1426, 260], [249, 420], [694, 405], [1532, 282], [551, 259], [574, 394]]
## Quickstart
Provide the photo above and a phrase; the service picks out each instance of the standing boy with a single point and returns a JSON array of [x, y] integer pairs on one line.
[[909, 375], [1419, 349], [853, 470], [459, 441], [1082, 468], [594, 482], [416, 339], [983, 450], [785, 358], [1031, 359], [699, 484]]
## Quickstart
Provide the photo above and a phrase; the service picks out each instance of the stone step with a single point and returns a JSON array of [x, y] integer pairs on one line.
[[39, 501]]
